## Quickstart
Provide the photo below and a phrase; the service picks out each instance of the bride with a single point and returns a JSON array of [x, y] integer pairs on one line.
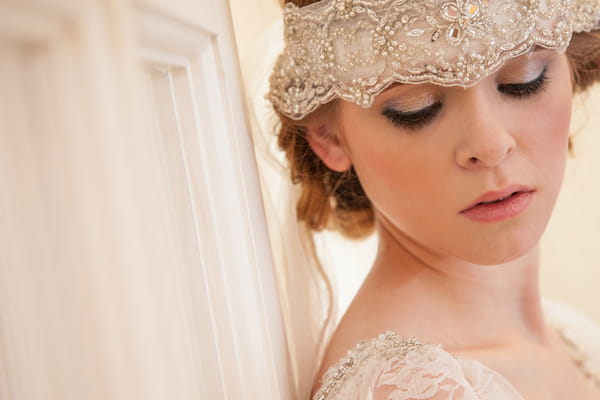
[[444, 127]]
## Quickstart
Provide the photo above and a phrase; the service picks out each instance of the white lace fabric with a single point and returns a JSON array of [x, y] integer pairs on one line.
[[390, 367], [393, 368]]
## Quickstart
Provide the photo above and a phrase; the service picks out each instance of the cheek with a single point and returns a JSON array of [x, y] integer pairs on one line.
[[402, 181], [405, 175], [551, 138]]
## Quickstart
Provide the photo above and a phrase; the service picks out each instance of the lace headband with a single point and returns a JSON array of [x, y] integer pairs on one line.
[[354, 49]]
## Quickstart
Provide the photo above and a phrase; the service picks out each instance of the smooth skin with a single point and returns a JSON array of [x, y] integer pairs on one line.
[[443, 278]]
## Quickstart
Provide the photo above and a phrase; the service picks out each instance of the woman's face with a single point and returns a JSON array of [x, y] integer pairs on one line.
[[425, 154]]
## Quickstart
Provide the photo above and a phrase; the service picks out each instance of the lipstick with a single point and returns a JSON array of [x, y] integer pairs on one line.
[[499, 205]]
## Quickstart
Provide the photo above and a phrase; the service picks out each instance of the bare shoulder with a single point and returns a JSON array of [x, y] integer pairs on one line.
[[356, 326], [364, 319], [340, 343], [348, 333]]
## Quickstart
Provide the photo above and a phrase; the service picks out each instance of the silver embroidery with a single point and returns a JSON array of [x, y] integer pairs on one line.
[[354, 49], [580, 356], [393, 348], [385, 345]]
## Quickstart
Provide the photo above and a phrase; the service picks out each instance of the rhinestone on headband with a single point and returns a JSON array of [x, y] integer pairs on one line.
[[354, 49]]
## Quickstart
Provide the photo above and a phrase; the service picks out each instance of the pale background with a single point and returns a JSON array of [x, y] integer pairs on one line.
[[570, 257]]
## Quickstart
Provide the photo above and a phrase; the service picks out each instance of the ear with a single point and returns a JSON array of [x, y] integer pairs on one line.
[[326, 144]]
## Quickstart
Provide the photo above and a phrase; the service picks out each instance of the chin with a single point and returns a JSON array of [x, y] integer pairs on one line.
[[507, 244], [507, 251]]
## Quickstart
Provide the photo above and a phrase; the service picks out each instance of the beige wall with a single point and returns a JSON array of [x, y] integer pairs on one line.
[[570, 256], [570, 247]]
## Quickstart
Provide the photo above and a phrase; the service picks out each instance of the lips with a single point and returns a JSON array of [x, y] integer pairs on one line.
[[500, 205]]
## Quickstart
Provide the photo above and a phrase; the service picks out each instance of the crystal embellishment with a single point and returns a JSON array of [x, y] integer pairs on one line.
[[450, 11], [580, 357], [386, 345], [331, 44]]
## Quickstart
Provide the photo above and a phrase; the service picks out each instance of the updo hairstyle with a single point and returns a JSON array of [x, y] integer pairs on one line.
[[336, 200]]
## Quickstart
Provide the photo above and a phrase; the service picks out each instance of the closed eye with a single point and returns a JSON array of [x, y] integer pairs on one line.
[[522, 90], [412, 120]]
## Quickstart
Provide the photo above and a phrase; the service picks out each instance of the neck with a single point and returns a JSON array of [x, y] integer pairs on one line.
[[467, 304]]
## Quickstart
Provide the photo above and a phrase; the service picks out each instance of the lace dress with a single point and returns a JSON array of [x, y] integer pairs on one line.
[[396, 368]]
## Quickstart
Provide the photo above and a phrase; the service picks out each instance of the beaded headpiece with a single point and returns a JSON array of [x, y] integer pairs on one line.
[[354, 49]]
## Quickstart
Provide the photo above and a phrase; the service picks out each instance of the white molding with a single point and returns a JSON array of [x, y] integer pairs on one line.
[[152, 276], [193, 13], [240, 278]]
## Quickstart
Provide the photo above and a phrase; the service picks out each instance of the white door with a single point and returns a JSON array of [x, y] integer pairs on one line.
[[134, 259]]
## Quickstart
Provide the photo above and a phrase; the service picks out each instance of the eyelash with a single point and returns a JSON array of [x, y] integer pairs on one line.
[[414, 120], [522, 90]]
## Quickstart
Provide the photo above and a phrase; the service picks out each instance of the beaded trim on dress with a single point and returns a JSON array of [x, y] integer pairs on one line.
[[383, 346], [580, 356], [396, 356], [393, 367], [354, 49]]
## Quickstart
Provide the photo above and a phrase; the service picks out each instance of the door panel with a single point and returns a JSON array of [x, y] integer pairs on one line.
[[134, 259]]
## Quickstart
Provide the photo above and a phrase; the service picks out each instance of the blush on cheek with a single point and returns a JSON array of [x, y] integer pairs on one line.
[[561, 123], [552, 131], [551, 149]]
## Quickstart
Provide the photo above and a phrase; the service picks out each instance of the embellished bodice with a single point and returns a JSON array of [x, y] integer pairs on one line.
[[396, 368]]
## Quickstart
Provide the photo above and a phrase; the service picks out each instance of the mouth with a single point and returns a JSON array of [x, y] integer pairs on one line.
[[499, 205], [497, 200]]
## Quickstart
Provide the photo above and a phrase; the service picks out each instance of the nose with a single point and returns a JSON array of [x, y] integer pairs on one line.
[[485, 140]]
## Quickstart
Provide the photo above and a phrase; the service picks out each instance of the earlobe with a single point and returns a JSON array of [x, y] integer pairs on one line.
[[328, 147]]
